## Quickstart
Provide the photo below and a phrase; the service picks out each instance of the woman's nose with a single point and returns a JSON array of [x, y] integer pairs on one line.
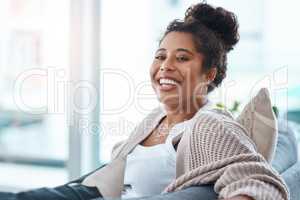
[[167, 66]]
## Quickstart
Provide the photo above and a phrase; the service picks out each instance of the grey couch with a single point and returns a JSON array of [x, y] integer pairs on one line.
[[285, 162]]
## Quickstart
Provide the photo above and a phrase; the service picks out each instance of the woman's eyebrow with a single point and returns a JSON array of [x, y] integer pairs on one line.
[[179, 49], [160, 49], [185, 50]]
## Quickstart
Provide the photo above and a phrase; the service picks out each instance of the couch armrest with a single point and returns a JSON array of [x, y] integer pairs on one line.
[[204, 192]]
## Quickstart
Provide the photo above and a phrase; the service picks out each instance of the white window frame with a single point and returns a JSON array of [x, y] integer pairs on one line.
[[84, 148]]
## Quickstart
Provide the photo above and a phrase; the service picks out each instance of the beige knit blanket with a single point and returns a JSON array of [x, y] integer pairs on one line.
[[220, 152]]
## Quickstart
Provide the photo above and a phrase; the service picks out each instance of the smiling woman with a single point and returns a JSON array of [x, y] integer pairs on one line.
[[192, 60], [185, 142], [176, 72]]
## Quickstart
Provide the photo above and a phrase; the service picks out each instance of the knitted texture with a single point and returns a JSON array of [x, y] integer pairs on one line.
[[220, 152]]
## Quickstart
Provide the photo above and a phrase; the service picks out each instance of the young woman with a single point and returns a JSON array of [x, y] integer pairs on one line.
[[184, 142]]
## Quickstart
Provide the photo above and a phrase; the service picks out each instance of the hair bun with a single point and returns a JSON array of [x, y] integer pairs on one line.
[[222, 22]]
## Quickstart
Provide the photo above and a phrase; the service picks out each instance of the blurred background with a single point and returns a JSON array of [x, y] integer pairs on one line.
[[74, 77]]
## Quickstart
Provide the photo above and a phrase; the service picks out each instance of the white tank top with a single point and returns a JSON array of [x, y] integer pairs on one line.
[[150, 169]]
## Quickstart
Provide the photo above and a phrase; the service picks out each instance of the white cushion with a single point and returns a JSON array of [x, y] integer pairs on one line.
[[260, 121]]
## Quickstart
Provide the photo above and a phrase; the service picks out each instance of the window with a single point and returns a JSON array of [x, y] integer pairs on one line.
[[33, 131]]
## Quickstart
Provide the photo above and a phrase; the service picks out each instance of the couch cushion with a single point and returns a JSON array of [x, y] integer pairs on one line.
[[204, 192], [292, 179], [286, 150], [260, 122]]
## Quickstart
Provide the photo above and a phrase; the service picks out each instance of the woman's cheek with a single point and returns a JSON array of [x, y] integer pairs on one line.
[[152, 72]]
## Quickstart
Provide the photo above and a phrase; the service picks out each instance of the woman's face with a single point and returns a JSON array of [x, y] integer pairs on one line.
[[181, 82]]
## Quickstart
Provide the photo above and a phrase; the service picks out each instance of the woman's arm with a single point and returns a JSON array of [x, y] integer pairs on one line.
[[240, 197], [224, 142], [220, 152], [250, 173]]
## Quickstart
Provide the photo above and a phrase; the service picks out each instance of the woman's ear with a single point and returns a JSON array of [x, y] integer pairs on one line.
[[211, 74]]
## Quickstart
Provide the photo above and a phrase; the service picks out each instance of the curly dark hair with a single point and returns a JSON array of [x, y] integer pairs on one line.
[[215, 32]]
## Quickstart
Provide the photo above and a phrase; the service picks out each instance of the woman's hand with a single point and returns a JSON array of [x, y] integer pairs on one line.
[[239, 197]]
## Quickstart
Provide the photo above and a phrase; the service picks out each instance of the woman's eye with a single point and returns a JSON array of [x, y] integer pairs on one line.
[[182, 58], [160, 57]]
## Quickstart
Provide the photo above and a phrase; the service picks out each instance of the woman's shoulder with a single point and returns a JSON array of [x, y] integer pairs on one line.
[[214, 114], [220, 123]]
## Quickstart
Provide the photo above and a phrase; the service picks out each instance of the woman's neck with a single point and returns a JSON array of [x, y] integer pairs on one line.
[[176, 115]]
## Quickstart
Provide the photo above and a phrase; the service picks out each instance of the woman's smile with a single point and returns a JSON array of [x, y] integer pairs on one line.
[[165, 84]]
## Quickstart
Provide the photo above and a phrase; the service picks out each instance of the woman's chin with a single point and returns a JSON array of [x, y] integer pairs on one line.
[[169, 101]]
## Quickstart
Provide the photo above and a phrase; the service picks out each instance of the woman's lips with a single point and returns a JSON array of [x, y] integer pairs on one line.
[[167, 84], [166, 87]]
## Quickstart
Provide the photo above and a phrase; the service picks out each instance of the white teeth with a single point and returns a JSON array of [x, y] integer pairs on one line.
[[167, 81]]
